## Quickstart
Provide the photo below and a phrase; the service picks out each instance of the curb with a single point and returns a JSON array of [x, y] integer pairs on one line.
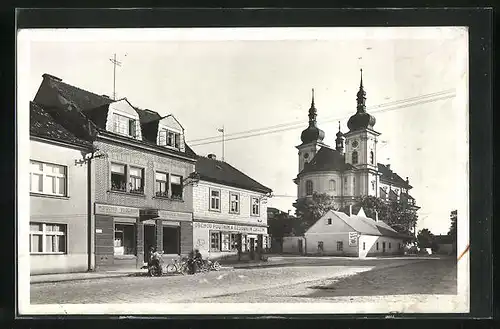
[[121, 275]]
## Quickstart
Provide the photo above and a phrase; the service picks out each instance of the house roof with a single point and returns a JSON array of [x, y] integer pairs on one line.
[[95, 108], [42, 124], [327, 159], [391, 177], [221, 172]]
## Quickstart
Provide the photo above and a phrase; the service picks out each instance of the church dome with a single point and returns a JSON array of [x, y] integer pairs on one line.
[[312, 133], [361, 119]]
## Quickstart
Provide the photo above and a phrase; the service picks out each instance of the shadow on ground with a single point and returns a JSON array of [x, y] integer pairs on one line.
[[427, 277]]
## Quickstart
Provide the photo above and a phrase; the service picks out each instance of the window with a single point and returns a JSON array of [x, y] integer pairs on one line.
[[340, 246], [215, 200], [169, 138], [234, 241], [47, 178], [354, 157], [226, 241], [399, 245], [255, 206], [377, 245], [389, 245], [161, 188], [136, 180], [371, 157], [320, 246], [373, 185], [333, 185], [124, 125], [234, 199], [309, 187], [118, 177], [329, 221], [215, 241], [176, 186], [124, 239], [47, 238], [364, 245], [345, 183]]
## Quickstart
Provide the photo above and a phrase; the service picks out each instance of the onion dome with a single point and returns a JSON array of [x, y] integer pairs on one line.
[[312, 133], [361, 120], [339, 141]]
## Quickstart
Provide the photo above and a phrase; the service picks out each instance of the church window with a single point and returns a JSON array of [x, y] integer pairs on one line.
[[354, 157], [373, 185], [309, 187], [332, 185], [371, 157]]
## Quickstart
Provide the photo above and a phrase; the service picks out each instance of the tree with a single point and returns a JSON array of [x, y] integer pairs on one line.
[[310, 210], [396, 214], [453, 226], [425, 239], [280, 226]]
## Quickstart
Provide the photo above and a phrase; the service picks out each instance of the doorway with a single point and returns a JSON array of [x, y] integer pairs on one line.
[[383, 247], [252, 248], [149, 240]]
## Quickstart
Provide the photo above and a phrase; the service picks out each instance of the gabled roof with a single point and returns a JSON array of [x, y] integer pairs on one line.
[[42, 124], [391, 177], [223, 173], [327, 159]]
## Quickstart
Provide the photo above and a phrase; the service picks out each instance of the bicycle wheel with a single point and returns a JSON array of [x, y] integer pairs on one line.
[[216, 265], [171, 268]]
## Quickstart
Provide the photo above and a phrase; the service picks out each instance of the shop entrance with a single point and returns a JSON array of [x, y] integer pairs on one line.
[[171, 240], [149, 240], [252, 248]]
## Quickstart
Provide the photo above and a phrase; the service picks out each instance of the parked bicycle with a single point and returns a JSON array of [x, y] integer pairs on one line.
[[206, 265], [178, 266]]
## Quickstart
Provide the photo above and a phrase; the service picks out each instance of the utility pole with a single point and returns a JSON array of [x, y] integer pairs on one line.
[[115, 63], [221, 130]]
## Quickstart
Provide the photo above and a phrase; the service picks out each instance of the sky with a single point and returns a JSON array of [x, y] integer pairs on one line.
[[250, 79]]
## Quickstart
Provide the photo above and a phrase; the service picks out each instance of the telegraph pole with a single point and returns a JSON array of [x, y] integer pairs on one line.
[[115, 63]]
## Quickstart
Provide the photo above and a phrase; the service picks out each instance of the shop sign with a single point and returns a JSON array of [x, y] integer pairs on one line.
[[101, 209], [229, 227], [353, 239]]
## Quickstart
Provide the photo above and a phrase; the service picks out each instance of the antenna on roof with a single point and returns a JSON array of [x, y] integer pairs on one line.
[[115, 63]]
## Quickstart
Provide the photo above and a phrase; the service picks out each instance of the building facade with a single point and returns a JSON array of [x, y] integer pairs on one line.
[[229, 210], [140, 176], [347, 235], [350, 170], [60, 235]]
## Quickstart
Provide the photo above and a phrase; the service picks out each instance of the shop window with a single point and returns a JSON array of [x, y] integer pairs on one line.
[[136, 180], [244, 242], [309, 187], [118, 177], [124, 239], [234, 203], [234, 241], [215, 200], [340, 246], [215, 244], [255, 206], [47, 238], [161, 188], [176, 186], [171, 240], [48, 178]]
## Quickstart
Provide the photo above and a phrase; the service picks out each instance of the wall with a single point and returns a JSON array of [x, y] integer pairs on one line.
[[291, 245], [70, 210], [150, 162], [201, 200], [371, 246]]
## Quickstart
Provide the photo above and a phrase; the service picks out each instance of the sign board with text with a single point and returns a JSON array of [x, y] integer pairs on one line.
[[353, 239], [230, 227], [104, 209]]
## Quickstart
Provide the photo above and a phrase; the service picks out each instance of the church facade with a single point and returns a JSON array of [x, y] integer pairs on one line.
[[349, 170]]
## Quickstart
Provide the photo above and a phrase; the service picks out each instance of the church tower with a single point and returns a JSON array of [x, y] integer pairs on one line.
[[312, 138], [361, 146]]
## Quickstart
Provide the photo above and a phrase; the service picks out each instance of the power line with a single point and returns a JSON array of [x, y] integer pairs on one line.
[[406, 100], [336, 119]]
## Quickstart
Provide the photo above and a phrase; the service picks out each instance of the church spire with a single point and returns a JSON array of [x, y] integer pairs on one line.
[[339, 141], [312, 112], [361, 96]]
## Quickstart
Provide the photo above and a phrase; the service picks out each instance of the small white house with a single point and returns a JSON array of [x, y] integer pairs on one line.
[[357, 235]]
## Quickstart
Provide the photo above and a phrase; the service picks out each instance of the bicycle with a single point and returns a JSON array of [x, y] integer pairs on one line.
[[178, 266]]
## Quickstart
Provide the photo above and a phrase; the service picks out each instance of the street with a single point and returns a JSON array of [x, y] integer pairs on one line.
[[316, 280]]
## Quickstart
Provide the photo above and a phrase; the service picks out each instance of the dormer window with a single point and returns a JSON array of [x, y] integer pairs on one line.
[[124, 125], [169, 138]]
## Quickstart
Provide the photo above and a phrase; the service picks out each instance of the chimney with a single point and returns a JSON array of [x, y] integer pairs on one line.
[[350, 210], [212, 156], [388, 166], [49, 76]]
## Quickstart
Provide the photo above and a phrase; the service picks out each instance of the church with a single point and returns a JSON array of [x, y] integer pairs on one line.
[[350, 170]]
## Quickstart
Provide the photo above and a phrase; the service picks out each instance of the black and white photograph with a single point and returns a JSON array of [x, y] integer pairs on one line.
[[243, 170]]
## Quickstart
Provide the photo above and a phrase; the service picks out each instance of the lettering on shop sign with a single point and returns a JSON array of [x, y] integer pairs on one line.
[[229, 227], [98, 230], [353, 239], [101, 209]]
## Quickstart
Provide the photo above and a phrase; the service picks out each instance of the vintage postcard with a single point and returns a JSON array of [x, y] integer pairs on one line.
[[243, 170]]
